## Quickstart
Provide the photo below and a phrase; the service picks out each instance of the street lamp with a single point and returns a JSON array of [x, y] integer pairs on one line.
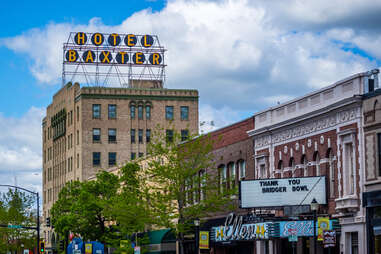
[[38, 210], [314, 208], [197, 234]]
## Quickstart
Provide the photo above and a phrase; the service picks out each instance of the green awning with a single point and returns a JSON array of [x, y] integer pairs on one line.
[[161, 241], [160, 236]]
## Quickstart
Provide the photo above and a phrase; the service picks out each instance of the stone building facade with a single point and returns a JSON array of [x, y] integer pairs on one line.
[[320, 134], [88, 129], [372, 184]]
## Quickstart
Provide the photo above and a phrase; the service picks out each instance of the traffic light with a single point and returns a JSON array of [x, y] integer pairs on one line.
[[48, 221], [42, 246]]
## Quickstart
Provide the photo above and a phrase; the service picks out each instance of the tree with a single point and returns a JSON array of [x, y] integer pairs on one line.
[[131, 210], [84, 208], [107, 209], [184, 184], [16, 208]]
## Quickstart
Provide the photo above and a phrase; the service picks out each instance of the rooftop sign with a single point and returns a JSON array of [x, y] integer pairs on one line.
[[132, 56]]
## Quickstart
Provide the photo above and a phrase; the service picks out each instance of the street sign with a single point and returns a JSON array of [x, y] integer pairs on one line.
[[14, 226]]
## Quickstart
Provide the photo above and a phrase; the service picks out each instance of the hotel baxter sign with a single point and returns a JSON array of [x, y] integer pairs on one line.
[[282, 192]]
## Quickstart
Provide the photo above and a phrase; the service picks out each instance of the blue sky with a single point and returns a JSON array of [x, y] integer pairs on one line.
[[19, 89], [242, 56]]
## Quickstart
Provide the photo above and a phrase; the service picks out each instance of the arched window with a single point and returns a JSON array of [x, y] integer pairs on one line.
[[132, 109], [232, 174], [317, 163], [291, 165], [331, 173], [148, 111], [222, 177], [241, 169], [280, 167], [303, 161], [202, 175]]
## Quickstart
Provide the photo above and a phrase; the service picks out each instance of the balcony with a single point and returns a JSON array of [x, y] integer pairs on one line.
[[347, 204]]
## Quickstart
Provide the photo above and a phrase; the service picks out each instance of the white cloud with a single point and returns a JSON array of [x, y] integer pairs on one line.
[[20, 149], [212, 119]]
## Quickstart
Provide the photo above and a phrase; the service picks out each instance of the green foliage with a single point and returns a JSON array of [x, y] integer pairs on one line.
[[17, 208], [180, 192], [107, 209], [84, 208]]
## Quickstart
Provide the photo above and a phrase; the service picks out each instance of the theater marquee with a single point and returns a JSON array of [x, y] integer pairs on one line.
[[282, 192]]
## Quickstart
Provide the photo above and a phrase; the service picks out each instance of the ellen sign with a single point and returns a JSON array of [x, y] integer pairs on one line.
[[282, 192]]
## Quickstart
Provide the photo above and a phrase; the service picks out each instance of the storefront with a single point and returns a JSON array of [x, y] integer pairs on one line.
[[372, 203], [241, 234]]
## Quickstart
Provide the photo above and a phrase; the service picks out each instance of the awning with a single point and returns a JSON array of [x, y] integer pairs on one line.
[[161, 241]]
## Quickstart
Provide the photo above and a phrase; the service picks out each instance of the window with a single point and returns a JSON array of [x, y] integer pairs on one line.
[[317, 164], [133, 156], [148, 135], [232, 174], [96, 111], [291, 165], [242, 169], [141, 155], [77, 160], [184, 135], [262, 171], [280, 167], [222, 177], [132, 135], [140, 112], [96, 135], [77, 114], [140, 136], [348, 169], [352, 242], [77, 137], [96, 158], [148, 112], [379, 153], [304, 163], [111, 111], [331, 174], [202, 184], [111, 158], [169, 135], [132, 111], [169, 112], [112, 135], [184, 111]]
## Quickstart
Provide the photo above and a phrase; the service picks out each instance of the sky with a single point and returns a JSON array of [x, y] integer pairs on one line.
[[242, 55]]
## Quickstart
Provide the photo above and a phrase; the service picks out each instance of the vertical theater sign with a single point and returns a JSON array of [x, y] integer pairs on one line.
[[101, 59]]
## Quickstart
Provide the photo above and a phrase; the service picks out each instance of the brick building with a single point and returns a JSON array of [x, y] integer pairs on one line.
[[233, 159], [88, 129], [372, 151], [319, 134]]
